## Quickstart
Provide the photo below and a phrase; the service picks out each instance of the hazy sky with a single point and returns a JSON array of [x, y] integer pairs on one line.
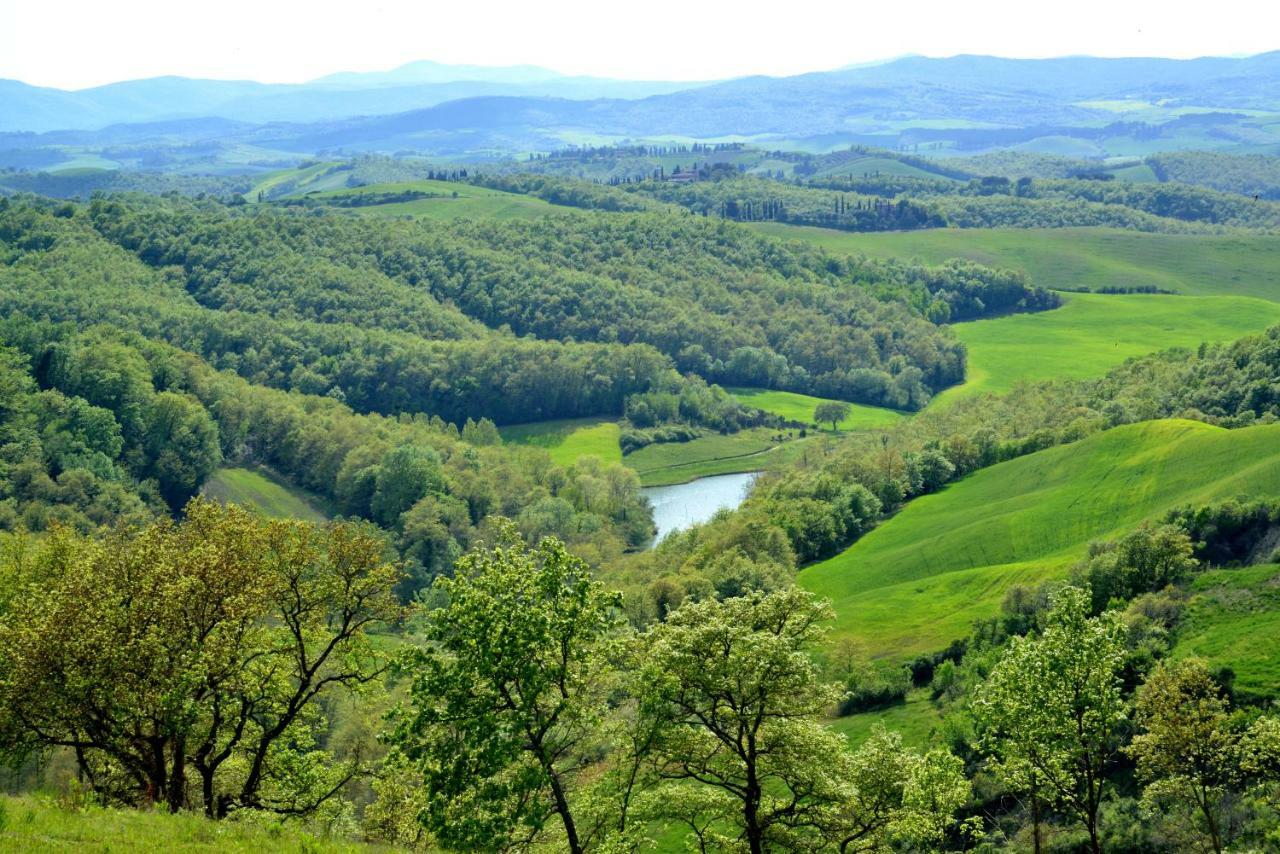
[[77, 44]]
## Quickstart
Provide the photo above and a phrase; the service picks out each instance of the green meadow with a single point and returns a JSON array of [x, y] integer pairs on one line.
[[1072, 258], [679, 462], [1233, 620], [451, 200], [1092, 333], [34, 823], [916, 720], [567, 439], [264, 490], [800, 407], [315, 176], [921, 578]]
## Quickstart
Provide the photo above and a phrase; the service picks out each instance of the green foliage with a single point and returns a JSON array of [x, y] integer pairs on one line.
[[511, 697], [349, 299], [1186, 753], [1246, 174], [203, 646], [1146, 560], [729, 705], [833, 412], [1051, 712]]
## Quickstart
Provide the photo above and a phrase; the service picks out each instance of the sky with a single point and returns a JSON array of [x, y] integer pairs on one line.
[[78, 44]]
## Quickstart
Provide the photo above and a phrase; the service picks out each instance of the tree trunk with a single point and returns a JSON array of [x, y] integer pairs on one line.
[[206, 791], [751, 816], [562, 807], [1036, 841], [177, 794], [1215, 833]]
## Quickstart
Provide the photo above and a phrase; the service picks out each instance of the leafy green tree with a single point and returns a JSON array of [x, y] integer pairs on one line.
[[407, 473], [733, 698], [1187, 752], [181, 445], [1145, 560], [895, 798], [1050, 713], [202, 648], [508, 701], [833, 411]]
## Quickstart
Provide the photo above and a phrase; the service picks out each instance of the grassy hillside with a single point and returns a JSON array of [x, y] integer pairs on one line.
[[570, 438], [800, 407], [1233, 619], [449, 200], [920, 579], [37, 824], [680, 462], [317, 176], [1092, 333], [1094, 258], [260, 488]]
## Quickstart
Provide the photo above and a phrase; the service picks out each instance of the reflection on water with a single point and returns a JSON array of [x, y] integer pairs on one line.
[[677, 507]]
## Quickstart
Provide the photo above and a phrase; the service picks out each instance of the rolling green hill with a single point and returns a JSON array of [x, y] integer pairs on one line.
[[921, 578], [1226, 287], [1093, 258], [1092, 333], [448, 200]]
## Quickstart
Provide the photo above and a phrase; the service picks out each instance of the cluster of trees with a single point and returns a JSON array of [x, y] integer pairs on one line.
[[1018, 191], [756, 199], [186, 664], [526, 710], [91, 438], [1245, 174], [568, 192], [170, 420], [1074, 703], [336, 304]]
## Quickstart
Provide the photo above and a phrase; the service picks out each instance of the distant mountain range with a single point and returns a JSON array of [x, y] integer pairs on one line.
[[441, 109], [413, 86]]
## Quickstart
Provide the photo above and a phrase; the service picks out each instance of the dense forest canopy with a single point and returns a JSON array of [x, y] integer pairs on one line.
[[435, 318]]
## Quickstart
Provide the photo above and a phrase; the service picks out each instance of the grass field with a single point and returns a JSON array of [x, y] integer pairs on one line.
[[799, 407], [916, 720], [920, 579], [469, 201], [1233, 619], [1092, 333], [260, 488], [1094, 258], [569, 438], [38, 824], [872, 165], [680, 462], [304, 178]]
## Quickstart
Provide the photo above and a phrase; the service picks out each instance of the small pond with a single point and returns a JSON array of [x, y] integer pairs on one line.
[[677, 507]]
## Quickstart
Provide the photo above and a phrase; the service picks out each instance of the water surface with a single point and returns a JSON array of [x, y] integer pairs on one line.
[[677, 507]]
